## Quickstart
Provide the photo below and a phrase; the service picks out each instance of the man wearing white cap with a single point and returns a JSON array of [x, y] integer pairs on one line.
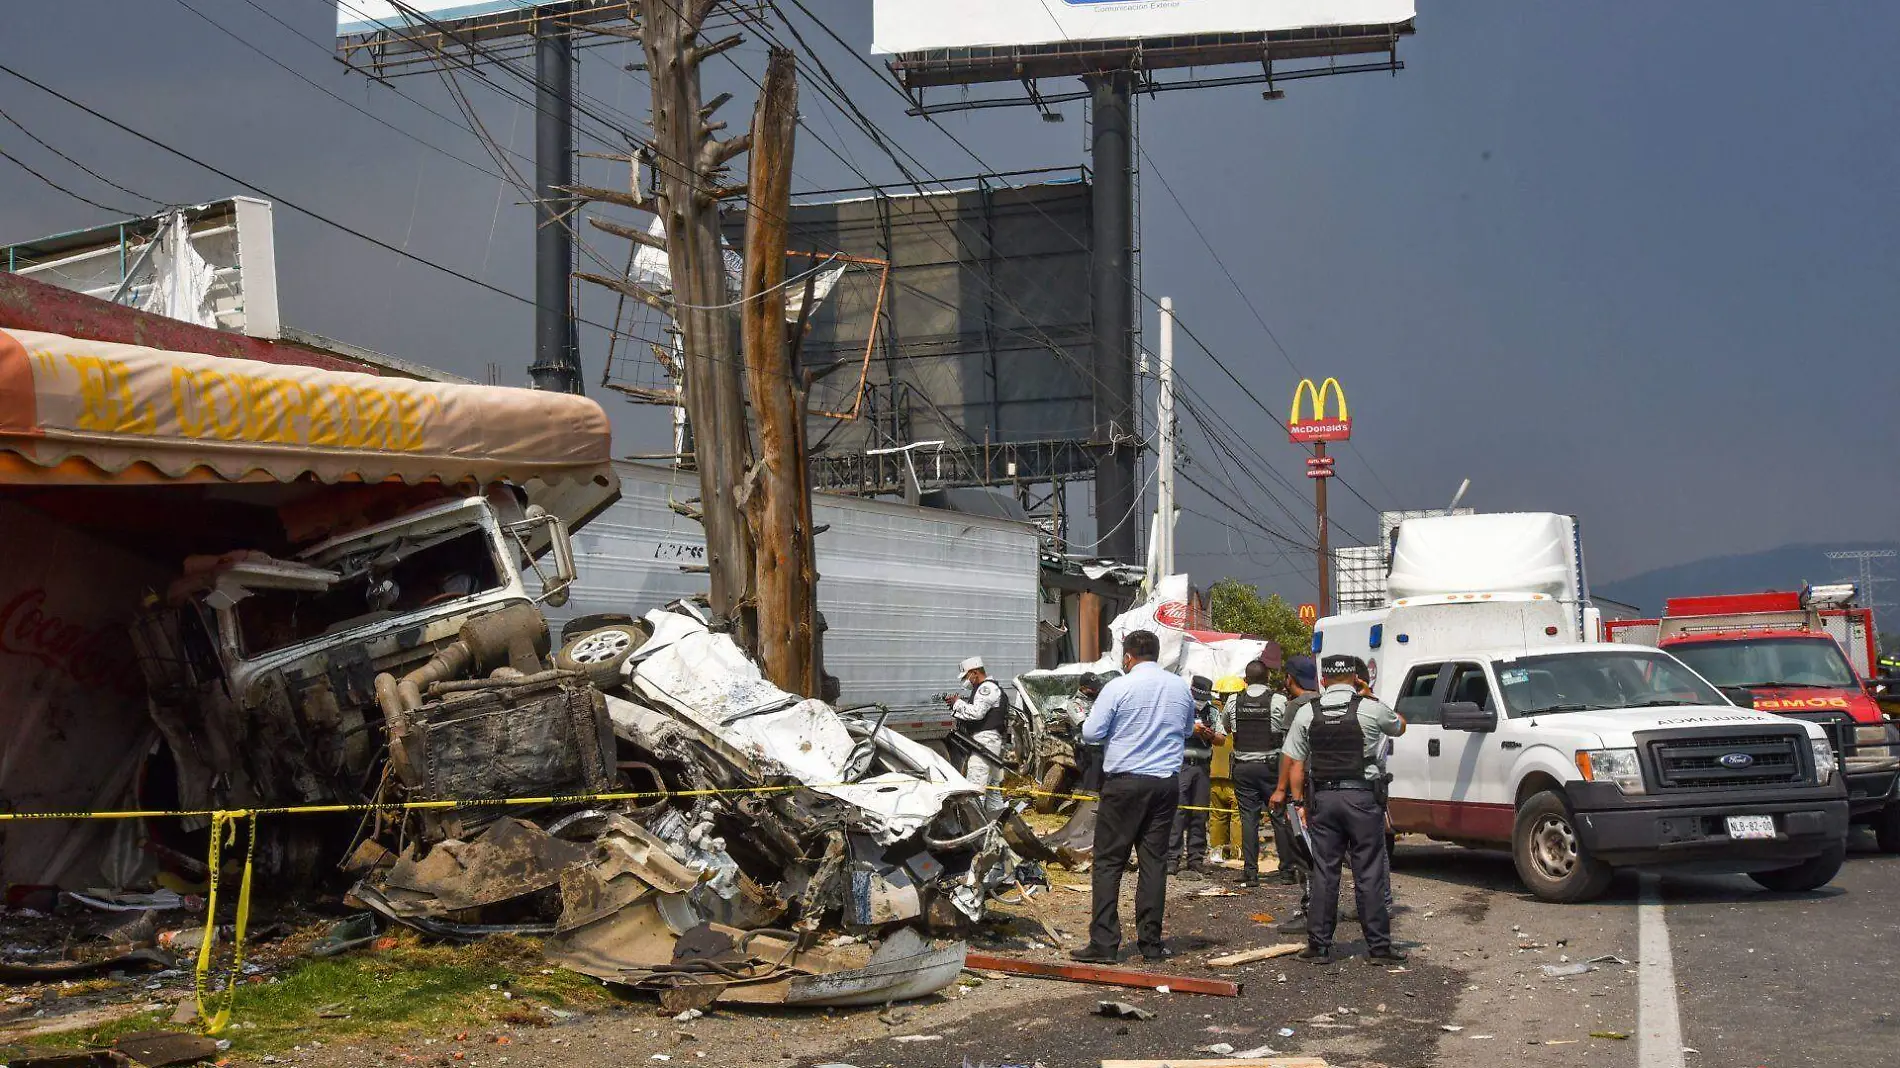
[[982, 715]]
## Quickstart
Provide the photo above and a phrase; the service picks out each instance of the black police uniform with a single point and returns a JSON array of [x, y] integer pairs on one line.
[[1255, 780], [1187, 839], [1345, 816]]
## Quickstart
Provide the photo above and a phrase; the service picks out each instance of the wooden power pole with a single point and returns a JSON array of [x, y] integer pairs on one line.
[[777, 488]]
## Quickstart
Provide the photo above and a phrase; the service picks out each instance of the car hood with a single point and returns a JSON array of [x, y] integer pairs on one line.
[[1795, 700], [1617, 722]]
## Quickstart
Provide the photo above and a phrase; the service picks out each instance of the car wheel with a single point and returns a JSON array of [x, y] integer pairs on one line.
[[599, 654], [1887, 829], [1810, 874], [1550, 857]]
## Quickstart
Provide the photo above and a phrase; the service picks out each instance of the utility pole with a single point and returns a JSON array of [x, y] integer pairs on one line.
[[1111, 157], [556, 363], [776, 492], [1163, 535], [1869, 592]]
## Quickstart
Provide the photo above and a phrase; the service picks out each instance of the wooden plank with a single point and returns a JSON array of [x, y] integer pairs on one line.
[[1105, 975], [1251, 956], [1223, 1062]]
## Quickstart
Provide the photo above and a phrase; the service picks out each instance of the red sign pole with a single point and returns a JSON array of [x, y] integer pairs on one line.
[[1319, 500]]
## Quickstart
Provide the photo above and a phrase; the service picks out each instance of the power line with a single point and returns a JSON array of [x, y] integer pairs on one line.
[[17, 162], [36, 139]]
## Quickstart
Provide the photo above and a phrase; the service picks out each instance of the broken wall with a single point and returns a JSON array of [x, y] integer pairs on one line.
[[73, 725]]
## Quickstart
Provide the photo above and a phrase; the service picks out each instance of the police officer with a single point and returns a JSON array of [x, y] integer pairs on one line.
[[1187, 840], [1256, 718], [982, 716], [1332, 752]]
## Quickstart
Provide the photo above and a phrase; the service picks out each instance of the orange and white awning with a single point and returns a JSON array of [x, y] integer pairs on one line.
[[79, 412]]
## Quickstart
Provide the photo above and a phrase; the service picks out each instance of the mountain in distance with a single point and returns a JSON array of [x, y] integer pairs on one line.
[[1784, 568]]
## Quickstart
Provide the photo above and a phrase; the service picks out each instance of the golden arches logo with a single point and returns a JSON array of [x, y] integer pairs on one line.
[[1319, 427]]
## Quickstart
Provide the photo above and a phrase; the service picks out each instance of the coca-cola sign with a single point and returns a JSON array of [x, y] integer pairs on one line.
[[89, 655], [1172, 614]]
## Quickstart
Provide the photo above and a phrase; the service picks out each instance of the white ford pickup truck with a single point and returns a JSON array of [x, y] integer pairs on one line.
[[1579, 757]]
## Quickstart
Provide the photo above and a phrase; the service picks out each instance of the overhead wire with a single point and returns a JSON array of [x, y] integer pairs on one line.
[[38, 140], [83, 199]]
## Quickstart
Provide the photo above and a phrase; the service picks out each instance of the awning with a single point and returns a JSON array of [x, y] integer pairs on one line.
[[91, 412]]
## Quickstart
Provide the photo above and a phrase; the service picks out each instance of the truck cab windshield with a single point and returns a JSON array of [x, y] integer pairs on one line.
[[1588, 682], [1814, 661], [396, 579]]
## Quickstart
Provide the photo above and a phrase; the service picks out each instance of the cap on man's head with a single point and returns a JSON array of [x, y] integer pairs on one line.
[[1090, 682], [1340, 664], [1201, 685], [975, 663], [1303, 671]]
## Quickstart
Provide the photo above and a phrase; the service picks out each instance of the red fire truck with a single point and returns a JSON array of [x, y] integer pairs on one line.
[[1808, 655]]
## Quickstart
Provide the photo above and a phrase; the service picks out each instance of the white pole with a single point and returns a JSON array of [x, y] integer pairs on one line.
[[1164, 426]]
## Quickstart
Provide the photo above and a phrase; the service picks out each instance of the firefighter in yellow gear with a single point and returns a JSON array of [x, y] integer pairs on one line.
[[1223, 825]]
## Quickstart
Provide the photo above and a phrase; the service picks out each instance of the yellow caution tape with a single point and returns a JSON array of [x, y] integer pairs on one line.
[[222, 824]]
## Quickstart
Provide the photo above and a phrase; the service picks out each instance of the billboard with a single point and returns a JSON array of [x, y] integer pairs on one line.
[[984, 336], [1321, 427], [382, 28], [901, 26]]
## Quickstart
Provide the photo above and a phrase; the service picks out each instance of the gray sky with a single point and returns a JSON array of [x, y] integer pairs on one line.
[[1633, 262]]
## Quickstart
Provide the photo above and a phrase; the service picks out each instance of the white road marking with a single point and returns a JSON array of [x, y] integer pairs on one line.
[[1659, 1042]]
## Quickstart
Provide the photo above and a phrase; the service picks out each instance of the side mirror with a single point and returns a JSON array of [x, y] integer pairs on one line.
[[1466, 716], [554, 585]]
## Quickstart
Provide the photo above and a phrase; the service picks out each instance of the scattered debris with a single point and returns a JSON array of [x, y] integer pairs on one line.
[[918, 1038], [1619, 1035], [137, 960], [1453, 1028], [156, 1049], [1564, 971], [1218, 1049], [1251, 956], [1121, 1010], [1107, 975]]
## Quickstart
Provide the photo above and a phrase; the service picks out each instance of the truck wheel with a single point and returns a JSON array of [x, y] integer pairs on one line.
[[1550, 858], [580, 625], [1887, 829], [1810, 874], [598, 654], [1055, 780]]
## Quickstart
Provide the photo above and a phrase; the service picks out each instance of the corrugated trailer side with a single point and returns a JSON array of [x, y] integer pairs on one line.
[[907, 592]]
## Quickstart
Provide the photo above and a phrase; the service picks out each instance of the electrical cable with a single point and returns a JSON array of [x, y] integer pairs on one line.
[[36, 139], [16, 161]]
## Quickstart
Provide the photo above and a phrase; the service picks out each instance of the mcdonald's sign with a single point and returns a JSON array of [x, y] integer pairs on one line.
[[1319, 427]]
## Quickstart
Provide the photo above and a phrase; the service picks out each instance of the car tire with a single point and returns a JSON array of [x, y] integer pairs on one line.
[[1810, 874], [598, 654], [580, 625], [1055, 780], [1550, 857], [1887, 829]]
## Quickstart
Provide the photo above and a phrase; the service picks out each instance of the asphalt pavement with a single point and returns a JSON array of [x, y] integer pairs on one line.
[[1677, 972]]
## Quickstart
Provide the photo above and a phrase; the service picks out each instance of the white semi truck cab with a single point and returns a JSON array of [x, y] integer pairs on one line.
[[1580, 757]]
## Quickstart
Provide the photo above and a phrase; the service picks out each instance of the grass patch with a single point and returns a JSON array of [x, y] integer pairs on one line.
[[411, 988]]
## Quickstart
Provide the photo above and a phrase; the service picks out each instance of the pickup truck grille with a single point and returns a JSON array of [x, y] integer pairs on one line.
[[1696, 763]]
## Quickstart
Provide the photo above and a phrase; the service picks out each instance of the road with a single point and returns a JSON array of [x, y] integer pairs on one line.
[[1748, 978]]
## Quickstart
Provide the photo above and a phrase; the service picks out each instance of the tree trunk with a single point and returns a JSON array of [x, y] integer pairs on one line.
[[686, 155]]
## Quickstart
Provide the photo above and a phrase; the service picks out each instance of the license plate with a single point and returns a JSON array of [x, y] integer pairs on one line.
[[1751, 826]]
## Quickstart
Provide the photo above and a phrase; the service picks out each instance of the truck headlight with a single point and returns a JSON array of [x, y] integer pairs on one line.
[[1619, 766], [1823, 760]]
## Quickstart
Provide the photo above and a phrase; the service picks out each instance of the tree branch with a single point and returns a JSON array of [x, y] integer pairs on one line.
[[631, 33], [612, 196], [701, 53], [632, 289], [633, 234], [717, 153]]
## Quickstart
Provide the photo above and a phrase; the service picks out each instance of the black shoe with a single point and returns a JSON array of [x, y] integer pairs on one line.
[[1249, 882], [1287, 877], [1094, 954], [1156, 954], [1314, 955], [1174, 866], [1386, 956]]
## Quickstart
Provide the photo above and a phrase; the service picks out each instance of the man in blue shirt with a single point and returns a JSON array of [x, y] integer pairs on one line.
[[1142, 721]]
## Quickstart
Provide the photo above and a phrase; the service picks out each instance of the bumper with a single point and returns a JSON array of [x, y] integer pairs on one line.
[[1690, 831], [1872, 788]]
